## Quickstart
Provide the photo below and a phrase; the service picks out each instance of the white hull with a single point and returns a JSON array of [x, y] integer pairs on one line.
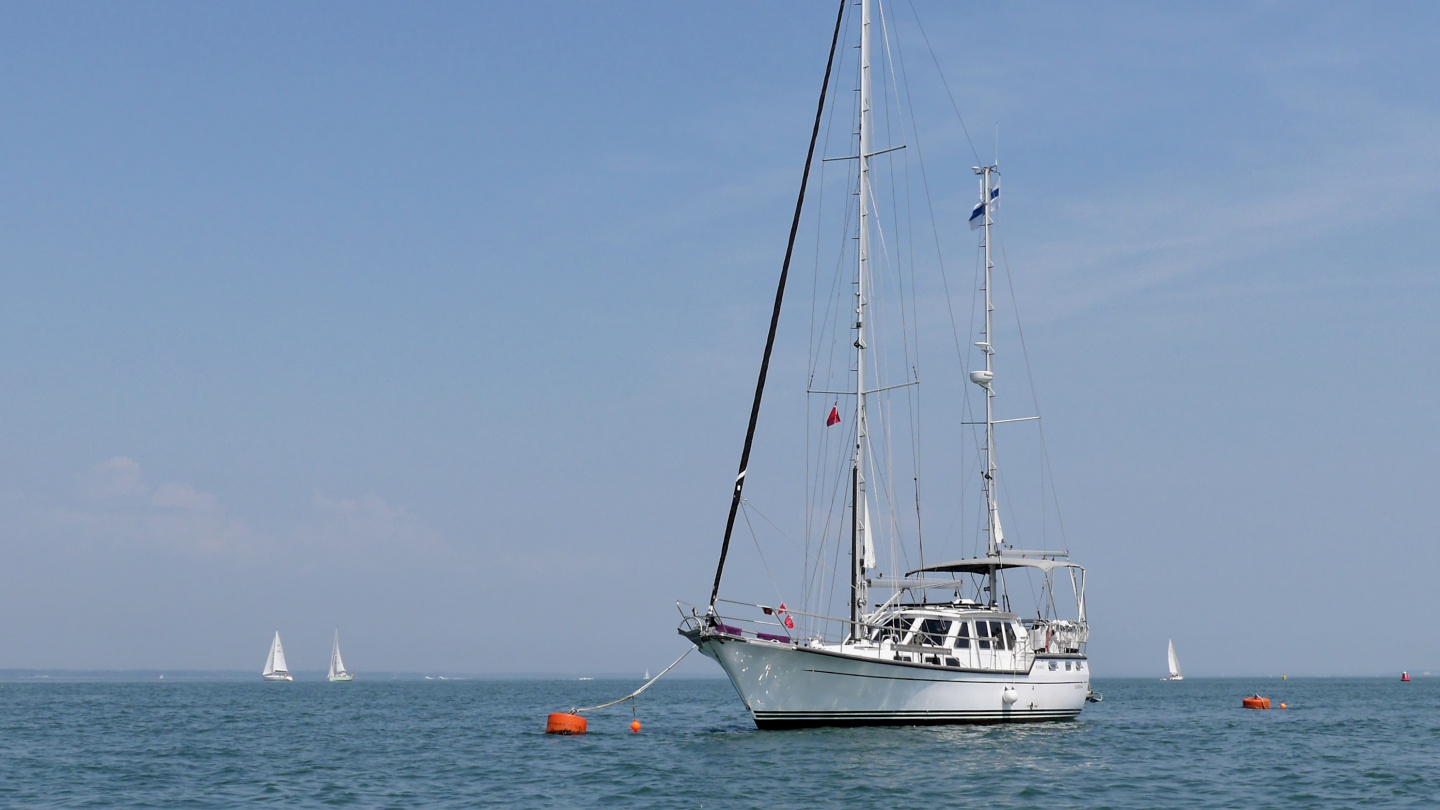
[[341, 678], [789, 686], [278, 676]]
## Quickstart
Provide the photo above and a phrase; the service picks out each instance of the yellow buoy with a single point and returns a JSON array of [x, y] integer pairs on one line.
[[635, 726]]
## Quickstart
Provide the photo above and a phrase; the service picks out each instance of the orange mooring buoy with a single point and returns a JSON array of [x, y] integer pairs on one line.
[[564, 723], [1256, 702], [635, 726], [1404, 677]]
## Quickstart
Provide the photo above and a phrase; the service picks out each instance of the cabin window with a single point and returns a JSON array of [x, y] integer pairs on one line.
[[952, 662], [1067, 666], [893, 630], [1079, 665], [962, 636], [982, 635], [999, 635], [1054, 665], [932, 632], [1009, 635]]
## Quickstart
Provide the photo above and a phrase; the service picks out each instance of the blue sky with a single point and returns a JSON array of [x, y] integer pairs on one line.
[[439, 323]]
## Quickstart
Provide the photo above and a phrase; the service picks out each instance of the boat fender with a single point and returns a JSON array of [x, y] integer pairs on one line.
[[1009, 695]]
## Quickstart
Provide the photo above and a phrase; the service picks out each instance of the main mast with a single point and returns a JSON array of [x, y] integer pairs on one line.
[[985, 379], [859, 525]]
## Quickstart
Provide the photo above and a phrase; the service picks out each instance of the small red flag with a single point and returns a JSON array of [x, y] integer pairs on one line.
[[782, 607], [789, 622], [834, 417]]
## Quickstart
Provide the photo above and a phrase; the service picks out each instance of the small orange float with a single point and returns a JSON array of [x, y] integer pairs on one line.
[[564, 723], [1256, 702], [635, 726]]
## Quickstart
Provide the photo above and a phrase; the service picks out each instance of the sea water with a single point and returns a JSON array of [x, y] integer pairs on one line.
[[481, 743]]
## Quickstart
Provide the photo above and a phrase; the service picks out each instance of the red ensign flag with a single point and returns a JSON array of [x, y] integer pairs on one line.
[[834, 417]]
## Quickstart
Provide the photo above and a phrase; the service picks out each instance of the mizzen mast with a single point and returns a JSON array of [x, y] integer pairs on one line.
[[989, 192]]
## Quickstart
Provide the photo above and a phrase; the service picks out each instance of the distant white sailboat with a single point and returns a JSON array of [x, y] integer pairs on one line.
[[337, 665], [275, 668], [1174, 665]]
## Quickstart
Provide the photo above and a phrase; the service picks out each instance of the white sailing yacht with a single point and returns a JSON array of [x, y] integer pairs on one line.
[[1174, 665], [906, 658], [337, 664], [275, 668]]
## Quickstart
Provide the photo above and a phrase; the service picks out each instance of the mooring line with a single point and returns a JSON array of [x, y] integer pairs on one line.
[[637, 692]]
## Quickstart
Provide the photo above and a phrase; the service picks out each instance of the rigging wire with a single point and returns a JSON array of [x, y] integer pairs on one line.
[[908, 319], [831, 327], [750, 506], [912, 398], [805, 588], [826, 323], [753, 536], [1035, 401], [967, 407], [775, 313], [936, 59]]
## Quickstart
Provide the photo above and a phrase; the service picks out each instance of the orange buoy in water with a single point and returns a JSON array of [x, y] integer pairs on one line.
[[1283, 706], [1256, 702], [564, 723], [635, 726], [1404, 677]]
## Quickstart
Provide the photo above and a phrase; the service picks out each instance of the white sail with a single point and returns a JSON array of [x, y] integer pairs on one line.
[[997, 533], [270, 659], [276, 662], [337, 665], [1174, 663], [869, 542]]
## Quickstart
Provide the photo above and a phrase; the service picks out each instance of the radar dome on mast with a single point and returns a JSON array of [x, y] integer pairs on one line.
[[982, 378]]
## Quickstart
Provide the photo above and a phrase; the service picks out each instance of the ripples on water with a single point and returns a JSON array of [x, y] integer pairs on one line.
[[1344, 743]]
